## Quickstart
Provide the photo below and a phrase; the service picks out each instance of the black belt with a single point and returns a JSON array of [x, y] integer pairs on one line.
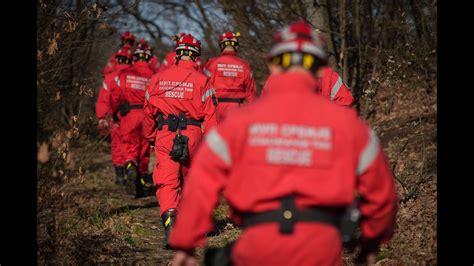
[[136, 106], [287, 215], [176, 122], [231, 100]]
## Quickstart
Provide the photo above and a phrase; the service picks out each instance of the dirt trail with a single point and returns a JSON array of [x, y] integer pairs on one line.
[[97, 222], [100, 223]]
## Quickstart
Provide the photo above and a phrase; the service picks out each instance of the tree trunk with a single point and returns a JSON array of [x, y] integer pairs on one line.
[[343, 52], [318, 16]]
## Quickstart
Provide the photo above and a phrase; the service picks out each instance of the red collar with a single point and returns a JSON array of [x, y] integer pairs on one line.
[[228, 53], [140, 63], [292, 82], [187, 64], [121, 66]]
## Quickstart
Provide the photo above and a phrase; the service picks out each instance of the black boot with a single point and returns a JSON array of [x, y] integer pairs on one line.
[[148, 178], [119, 175], [168, 219], [133, 184]]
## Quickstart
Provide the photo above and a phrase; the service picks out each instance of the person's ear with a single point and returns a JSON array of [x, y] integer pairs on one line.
[[274, 69], [319, 72]]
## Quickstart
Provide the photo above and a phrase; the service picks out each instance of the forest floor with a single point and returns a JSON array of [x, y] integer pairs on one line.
[[94, 221]]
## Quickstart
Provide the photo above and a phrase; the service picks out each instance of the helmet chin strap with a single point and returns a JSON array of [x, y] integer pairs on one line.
[[186, 55]]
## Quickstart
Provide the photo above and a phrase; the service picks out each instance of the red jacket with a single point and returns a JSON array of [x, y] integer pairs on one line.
[[331, 87], [168, 61], [110, 66], [154, 63], [102, 106], [231, 76], [131, 85], [179, 88], [266, 152]]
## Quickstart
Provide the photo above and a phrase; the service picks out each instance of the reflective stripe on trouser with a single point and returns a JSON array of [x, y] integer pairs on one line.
[[135, 146], [166, 171], [118, 157]]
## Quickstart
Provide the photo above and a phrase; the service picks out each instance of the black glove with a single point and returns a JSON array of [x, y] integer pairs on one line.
[[366, 247], [180, 150]]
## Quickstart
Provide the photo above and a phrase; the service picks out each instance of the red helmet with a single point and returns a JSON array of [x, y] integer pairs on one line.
[[142, 52], [187, 42], [229, 38], [142, 43], [124, 55], [125, 51], [128, 38], [298, 38]]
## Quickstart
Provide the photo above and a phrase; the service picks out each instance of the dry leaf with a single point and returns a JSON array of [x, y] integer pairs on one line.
[[70, 162], [57, 97], [103, 26], [39, 55], [43, 153], [71, 26], [53, 44]]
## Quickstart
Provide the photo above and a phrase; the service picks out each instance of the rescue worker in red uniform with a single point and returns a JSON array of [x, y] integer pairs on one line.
[[288, 176], [180, 106], [231, 76], [127, 98], [331, 85], [170, 58], [154, 62], [333, 88], [127, 40], [123, 60]]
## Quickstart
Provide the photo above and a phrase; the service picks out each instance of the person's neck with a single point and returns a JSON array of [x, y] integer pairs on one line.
[[186, 58], [229, 49]]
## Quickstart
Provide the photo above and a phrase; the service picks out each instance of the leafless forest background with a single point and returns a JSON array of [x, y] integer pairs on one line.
[[385, 50]]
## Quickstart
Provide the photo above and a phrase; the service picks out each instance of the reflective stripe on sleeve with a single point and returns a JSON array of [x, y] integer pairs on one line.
[[207, 72], [369, 153], [104, 85], [218, 146], [117, 80], [335, 88], [208, 93]]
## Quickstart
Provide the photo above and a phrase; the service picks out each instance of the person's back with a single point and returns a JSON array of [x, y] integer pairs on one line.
[[179, 89], [134, 82], [333, 88], [102, 108], [127, 98], [312, 153], [179, 107], [231, 76]]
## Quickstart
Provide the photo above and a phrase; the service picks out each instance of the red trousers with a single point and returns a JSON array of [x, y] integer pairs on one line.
[[309, 244], [118, 158], [166, 174], [135, 146]]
